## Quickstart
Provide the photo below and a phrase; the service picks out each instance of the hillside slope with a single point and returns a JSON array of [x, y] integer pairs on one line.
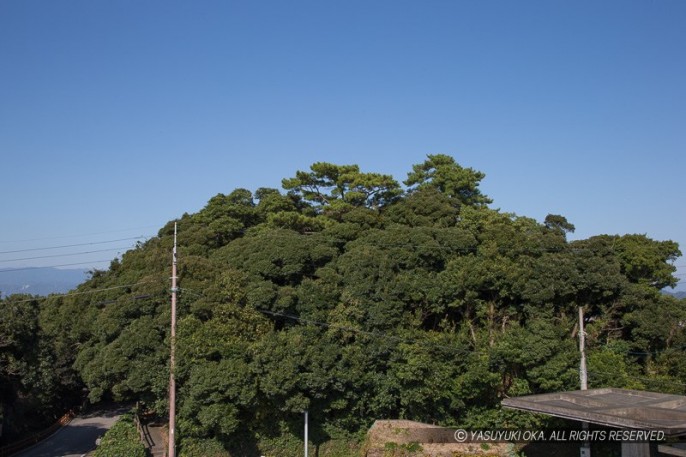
[[355, 299]]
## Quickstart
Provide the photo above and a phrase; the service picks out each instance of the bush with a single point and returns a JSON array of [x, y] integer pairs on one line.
[[202, 448], [122, 440]]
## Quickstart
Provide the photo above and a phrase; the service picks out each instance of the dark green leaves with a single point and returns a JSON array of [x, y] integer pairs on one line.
[[334, 186], [356, 300], [441, 172]]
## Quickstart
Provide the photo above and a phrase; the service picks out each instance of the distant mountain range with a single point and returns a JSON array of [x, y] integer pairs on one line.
[[39, 281], [677, 294]]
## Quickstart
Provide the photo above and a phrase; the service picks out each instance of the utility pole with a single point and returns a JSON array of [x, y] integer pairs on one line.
[[306, 437], [585, 450], [583, 374], [172, 362]]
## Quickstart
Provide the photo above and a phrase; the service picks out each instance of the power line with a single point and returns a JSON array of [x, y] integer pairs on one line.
[[87, 292], [78, 236], [643, 378], [632, 352], [438, 245], [72, 245], [55, 266], [134, 298], [380, 335], [65, 255], [410, 341]]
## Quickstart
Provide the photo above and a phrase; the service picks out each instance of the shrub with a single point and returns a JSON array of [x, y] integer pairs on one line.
[[121, 440]]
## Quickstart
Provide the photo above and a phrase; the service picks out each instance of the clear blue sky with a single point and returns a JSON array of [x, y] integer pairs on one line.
[[125, 114]]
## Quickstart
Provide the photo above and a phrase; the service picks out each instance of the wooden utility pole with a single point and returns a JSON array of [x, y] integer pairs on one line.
[[172, 362]]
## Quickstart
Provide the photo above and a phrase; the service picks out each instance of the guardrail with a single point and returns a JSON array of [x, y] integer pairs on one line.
[[17, 446], [139, 427]]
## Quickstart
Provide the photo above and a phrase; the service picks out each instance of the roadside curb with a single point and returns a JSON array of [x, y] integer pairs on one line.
[[28, 443]]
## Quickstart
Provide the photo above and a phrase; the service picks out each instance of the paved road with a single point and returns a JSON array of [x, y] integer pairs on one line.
[[76, 438]]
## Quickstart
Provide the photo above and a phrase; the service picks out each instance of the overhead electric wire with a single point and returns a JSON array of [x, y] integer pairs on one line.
[[78, 236], [66, 255], [73, 245], [55, 266], [86, 292], [438, 244], [380, 335], [460, 350], [642, 378], [340, 327], [134, 298]]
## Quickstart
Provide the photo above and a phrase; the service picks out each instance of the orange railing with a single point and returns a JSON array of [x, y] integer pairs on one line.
[[17, 446]]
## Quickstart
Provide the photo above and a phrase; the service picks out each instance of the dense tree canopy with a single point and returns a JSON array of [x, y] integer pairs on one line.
[[330, 185], [357, 300]]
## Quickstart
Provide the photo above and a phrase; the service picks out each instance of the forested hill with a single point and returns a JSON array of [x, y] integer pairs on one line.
[[355, 298]]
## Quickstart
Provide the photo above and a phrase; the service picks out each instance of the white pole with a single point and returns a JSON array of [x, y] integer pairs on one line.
[[585, 450], [583, 375], [306, 437]]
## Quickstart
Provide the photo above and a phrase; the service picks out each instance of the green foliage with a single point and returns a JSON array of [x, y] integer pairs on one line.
[[559, 224], [357, 301], [337, 186], [608, 368], [202, 448], [401, 450], [37, 384], [122, 439], [459, 184], [646, 261]]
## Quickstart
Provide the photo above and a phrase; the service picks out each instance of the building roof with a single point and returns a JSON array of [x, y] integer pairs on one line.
[[623, 408]]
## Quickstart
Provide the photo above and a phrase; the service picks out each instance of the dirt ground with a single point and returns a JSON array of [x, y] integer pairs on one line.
[[400, 438]]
